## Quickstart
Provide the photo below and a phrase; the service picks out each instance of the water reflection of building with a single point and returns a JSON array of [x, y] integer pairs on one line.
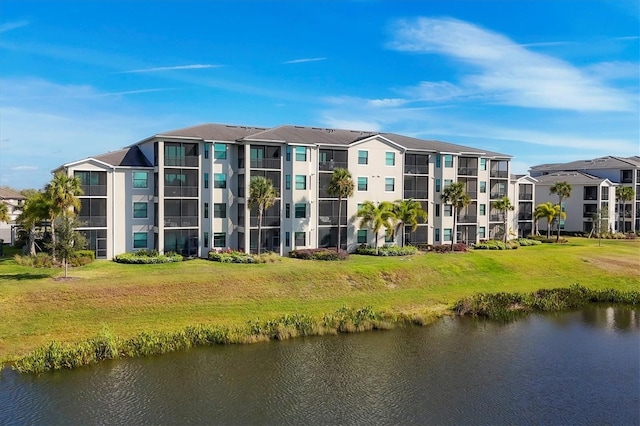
[[615, 319]]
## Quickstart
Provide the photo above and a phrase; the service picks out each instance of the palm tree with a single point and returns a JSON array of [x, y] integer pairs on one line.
[[504, 205], [407, 213], [376, 217], [341, 185], [62, 194], [455, 195], [558, 214], [34, 210], [624, 194], [544, 210], [562, 190], [262, 195]]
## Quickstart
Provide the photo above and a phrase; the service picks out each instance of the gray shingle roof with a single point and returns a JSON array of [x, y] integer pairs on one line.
[[213, 132], [8, 194], [131, 157], [571, 177], [608, 162]]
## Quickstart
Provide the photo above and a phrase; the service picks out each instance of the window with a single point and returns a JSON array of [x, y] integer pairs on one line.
[[139, 240], [388, 237], [220, 210], [483, 164], [482, 232], [219, 180], [206, 239], [483, 209], [437, 160], [389, 184], [448, 160], [139, 210], [206, 180], [300, 210], [287, 239], [301, 182], [448, 182], [436, 234], [362, 236], [437, 210], [448, 210], [483, 187], [390, 158], [300, 239], [220, 151], [447, 234], [301, 153], [288, 153], [287, 181], [360, 206], [287, 211], [219, 239], [206, 152], [206, 210], [140, 180], [363, 157], [362, 183], [437, 185]]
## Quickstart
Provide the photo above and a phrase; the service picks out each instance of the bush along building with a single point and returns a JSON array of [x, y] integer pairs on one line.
[[187, 190], [592, 196]]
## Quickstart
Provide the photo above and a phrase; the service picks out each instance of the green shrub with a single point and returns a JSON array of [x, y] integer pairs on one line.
[[269, 257], [82, 257], [387, 251], [40, 260], [528, 242], [446, 248], [319, 254], [231, 256], [143, 259]]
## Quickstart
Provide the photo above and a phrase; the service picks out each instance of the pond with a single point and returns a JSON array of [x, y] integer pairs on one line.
[[579, 367]]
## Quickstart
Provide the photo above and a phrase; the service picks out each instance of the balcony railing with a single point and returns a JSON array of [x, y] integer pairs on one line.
[[265, 163], [499, 174], [93, 221], [419, 194], [525, 216], [464, 218], [472, 194], [94, 190], [590, 197], [322, 193], [180, 191], [180, 221], [266, 221], [589, 214], [327, 166], [331, 220], [498, 195], [416, 170], [525, 196], [181, 161], [496, 217], [467, 171]]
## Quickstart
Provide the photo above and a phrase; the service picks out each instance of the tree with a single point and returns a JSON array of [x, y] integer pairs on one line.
[[341, 185], [546, 211], [624, 194], [562, 190], [376, 216], [62, 194], [262, 195], [69, 240], [455, 195], [407, 213], [35, 210], [4, 213], [504, 205], [558, 215]]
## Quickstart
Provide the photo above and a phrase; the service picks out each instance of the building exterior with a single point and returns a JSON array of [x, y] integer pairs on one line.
[[523, 197], [13, 200], [624, 171], [186, 190], [592, 200]]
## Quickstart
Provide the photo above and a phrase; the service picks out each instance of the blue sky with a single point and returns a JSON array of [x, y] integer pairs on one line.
[[542, 80]]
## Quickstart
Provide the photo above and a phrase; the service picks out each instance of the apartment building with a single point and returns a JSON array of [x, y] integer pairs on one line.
[[186, 190], [13, 200], [624, 171], [592, 199], [523, 197]]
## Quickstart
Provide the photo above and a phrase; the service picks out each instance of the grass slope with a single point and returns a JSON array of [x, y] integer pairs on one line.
[[37, 307]]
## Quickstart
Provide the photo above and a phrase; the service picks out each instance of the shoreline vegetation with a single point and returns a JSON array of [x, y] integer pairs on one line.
[[108, 310]]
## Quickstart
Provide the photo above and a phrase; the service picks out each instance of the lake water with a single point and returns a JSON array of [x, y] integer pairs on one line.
[[575, 368]]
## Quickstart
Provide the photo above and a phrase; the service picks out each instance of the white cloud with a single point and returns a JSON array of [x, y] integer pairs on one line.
[[345, 123], [506, 72], [303, 60], [12, 25], [172, 68], [386, 102], [24, 168]]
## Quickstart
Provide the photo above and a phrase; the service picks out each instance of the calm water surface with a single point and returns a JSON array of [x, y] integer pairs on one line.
[[575, 368]]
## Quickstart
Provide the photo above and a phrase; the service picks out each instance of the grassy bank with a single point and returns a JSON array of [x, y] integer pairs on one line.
[[37, 307]]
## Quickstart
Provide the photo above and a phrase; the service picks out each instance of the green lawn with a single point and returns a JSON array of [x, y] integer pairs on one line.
[[36, 306]]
